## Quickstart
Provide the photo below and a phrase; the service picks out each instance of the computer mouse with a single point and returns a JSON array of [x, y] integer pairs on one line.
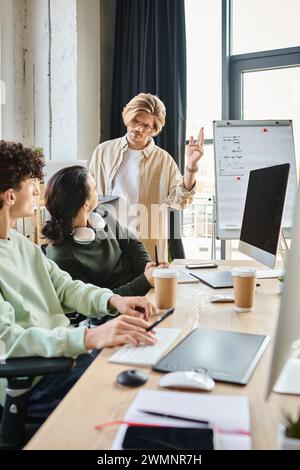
[[220, 298], [187, 379], [132, 378]]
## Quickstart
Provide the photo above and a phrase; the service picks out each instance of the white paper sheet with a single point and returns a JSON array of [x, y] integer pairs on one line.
[[225, 412]]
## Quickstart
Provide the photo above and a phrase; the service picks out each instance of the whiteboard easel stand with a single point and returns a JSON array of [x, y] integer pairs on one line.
[[213, 230], [231, 139]]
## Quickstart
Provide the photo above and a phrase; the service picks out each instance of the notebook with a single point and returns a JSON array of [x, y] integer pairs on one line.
[[228, 356], [146, 355]]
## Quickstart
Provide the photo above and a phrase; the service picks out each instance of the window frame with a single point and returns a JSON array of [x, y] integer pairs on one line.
[[266, 60], [234, 66]]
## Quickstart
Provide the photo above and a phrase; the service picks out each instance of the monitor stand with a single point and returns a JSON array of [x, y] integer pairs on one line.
[[283, 248], [289, 379]]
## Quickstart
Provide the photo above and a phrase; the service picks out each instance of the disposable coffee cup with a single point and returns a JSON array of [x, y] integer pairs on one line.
[[165, 286], [244, 282]]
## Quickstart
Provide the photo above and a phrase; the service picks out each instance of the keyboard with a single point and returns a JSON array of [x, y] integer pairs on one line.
[[268, 273], [184, 277], [146, 355]]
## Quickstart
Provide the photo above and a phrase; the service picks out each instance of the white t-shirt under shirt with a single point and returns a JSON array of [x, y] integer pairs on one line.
[[126, 187]]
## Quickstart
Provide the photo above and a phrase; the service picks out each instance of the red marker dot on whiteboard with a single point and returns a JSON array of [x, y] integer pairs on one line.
[[265, 129], [238, 178]]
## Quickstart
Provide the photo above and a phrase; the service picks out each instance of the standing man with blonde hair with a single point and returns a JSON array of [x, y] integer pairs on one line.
[[144, 176]]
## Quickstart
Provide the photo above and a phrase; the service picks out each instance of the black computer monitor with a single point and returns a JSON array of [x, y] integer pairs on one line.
[[263, 213]]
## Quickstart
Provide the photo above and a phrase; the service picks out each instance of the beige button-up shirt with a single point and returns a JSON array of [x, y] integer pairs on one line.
[[160, 186]]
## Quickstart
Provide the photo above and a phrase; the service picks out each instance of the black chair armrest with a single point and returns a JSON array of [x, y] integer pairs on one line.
[[20, 373], [34, 366]]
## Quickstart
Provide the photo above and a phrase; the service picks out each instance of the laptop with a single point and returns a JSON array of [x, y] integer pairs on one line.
[[223, 279], [227, 356], [215, 279], [107, 199]]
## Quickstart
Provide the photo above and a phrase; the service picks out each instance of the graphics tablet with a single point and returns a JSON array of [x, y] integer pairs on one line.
[[227, 356]]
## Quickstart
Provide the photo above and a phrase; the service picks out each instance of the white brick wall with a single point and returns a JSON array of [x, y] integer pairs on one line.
[[60, 113]]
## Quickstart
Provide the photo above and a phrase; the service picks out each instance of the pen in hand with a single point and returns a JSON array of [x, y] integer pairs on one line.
[[156, 256], [160, 319]]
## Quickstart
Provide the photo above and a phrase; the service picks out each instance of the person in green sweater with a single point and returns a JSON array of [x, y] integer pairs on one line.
[[35, 294], [112, 257]]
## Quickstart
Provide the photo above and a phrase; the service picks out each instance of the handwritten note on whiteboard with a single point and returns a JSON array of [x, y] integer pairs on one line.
[[242, 146]]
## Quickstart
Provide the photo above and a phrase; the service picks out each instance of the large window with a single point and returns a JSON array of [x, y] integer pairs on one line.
[[280, 101], [243, 63], [204, 87], [203, 31], [261, 25]]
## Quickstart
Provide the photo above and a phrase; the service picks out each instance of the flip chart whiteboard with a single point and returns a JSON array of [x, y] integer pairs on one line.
[[242, 146]]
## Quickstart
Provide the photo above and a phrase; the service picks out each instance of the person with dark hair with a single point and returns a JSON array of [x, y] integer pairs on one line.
[[35, 294], [17, 163], [113, 257]]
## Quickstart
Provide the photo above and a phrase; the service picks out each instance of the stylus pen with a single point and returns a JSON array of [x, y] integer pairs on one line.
[[199, 421], [160, 319], [165, 415]]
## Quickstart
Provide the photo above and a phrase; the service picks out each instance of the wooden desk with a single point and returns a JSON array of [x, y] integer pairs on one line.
[[96, 397]]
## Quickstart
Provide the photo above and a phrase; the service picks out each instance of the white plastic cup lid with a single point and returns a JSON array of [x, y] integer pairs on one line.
[[165, 273], [243, 272]]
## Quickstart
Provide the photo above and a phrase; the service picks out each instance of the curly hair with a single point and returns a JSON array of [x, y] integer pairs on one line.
[[150, 104], [16, 164], [66, 192]]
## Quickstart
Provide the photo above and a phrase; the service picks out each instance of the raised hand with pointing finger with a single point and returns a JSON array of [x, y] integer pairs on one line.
[[195, 151]]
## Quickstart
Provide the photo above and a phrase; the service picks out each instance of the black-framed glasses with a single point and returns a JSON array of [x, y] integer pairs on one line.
[[135, 123]]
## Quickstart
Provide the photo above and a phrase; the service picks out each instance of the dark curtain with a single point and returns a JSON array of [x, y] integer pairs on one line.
[[150, 57]]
